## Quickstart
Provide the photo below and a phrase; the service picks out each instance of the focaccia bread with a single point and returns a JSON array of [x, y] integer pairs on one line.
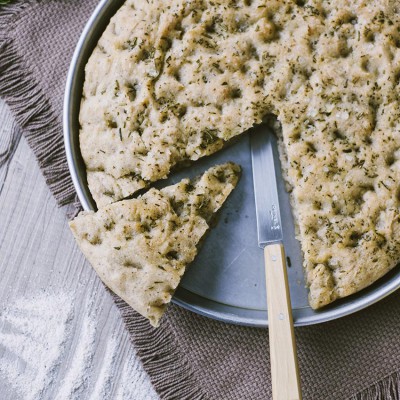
[[141, 247], [172, 81]]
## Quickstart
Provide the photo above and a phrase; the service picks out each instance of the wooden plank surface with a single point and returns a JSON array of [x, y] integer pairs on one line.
[[61, 337]]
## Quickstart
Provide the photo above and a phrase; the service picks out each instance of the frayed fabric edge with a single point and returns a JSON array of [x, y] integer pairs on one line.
[[33, 112], [388, 389], [169, 369]]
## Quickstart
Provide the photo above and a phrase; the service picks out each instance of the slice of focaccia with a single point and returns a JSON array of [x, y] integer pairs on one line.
[[141, 247]]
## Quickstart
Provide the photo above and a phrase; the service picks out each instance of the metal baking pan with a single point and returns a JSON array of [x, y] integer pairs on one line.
[[226, 281]]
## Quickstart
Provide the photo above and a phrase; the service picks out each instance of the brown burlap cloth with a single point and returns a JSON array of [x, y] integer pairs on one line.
[[188, 357]]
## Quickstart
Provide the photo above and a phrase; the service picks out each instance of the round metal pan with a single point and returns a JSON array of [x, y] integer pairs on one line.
[[226, 281]]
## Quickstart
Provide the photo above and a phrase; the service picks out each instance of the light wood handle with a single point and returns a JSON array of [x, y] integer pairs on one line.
[[284, 367]]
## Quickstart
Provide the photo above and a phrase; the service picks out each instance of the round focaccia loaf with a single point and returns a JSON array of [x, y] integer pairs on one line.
[[169, 82]]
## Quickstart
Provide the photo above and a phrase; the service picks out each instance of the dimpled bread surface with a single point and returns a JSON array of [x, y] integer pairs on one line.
[[172, 81]]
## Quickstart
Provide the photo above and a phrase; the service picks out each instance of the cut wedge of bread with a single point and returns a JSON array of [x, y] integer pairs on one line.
[[141, 247]]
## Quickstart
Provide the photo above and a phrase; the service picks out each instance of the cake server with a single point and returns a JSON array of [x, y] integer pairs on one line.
[[284, 366]]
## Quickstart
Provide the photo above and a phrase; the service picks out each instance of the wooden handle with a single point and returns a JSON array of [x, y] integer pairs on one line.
[[284, 367]]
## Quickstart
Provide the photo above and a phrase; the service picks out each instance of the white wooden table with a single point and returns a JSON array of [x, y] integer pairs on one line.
[[45, 283]]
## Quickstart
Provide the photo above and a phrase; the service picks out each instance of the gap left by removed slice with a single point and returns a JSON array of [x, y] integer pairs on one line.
[[140, 247]]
